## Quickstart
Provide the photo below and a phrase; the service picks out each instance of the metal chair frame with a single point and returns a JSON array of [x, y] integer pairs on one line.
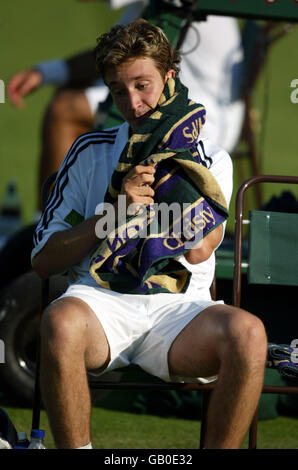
[[239, 222]]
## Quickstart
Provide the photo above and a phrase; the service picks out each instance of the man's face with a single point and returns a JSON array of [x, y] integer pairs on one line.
[[136, 86]]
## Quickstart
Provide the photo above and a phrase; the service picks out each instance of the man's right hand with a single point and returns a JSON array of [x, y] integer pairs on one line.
[[21, 84], [136, 186]]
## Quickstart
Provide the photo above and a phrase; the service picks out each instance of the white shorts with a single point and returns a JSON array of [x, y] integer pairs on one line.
[[141, 328]]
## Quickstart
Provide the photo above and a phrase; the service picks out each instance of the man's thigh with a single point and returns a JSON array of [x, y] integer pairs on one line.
[[195, 351], [169, 319], [122, 320], [72, 327]]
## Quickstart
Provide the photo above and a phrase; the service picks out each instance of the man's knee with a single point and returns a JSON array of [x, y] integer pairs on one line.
[[62, 326], [243, 333]]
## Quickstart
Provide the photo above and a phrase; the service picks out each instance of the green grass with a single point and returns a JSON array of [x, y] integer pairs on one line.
[[163, 421], [112, 429]]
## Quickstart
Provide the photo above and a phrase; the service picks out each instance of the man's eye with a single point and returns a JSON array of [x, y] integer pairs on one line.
[[141, 86]]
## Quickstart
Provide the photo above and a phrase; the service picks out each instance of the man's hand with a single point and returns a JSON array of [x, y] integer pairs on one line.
[[136, 186], [21, 84]]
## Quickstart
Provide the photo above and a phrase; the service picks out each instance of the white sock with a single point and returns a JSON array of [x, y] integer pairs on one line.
[[88, 446]]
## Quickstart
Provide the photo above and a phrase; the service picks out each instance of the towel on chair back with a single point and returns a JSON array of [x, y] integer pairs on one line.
[[138, 256]]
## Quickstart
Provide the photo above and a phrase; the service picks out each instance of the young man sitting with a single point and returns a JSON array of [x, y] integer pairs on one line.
[[143, 299]]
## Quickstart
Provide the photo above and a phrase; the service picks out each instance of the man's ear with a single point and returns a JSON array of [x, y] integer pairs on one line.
[[170, 74]]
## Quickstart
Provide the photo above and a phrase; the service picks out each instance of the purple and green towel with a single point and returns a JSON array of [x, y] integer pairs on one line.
[[138, 257]]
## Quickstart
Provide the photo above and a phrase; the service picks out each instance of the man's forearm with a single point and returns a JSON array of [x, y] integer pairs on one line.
[[66, 248], [204, 249]]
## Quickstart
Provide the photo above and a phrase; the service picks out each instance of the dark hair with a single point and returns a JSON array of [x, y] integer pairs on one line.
[[137, 39]]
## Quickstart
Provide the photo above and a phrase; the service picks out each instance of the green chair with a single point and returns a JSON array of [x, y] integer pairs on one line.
[[272, 257]]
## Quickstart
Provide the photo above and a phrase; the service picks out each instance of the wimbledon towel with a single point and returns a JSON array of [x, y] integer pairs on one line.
[[138, 257]]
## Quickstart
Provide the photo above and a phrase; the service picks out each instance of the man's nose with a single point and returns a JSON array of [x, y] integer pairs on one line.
[[134, 99]]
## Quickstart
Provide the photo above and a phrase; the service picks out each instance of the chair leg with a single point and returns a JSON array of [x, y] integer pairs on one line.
[[205, 404], [37, 401], [252, 443]]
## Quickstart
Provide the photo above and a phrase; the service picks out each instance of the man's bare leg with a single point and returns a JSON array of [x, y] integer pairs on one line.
[[72, 340], [232, 343], [67, 117]]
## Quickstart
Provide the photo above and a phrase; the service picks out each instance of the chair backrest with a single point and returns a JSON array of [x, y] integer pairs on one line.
[[273, 248], [273, 241]]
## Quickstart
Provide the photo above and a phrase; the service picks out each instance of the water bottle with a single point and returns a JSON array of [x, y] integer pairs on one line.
[[10, 215], [23, 441], [37, 437]]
